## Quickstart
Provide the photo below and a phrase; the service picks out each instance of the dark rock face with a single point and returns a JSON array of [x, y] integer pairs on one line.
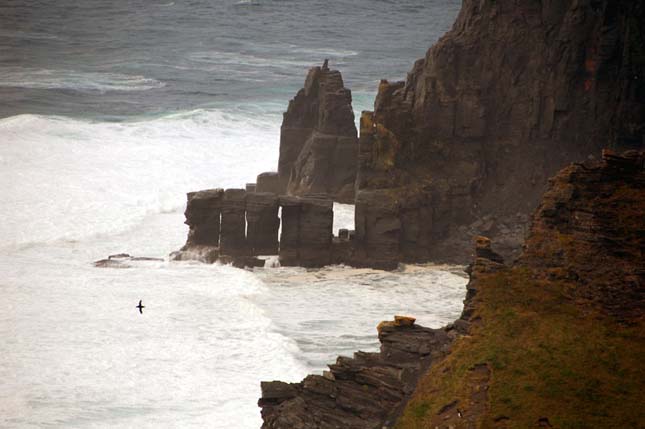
[[202, 213], [515, 91], [263, 223], [590, 228], [306, 236], [365, 391], [233, 233], [318, 139]]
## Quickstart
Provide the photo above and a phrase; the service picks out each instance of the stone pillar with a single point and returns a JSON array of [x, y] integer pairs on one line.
[[290, 234], [378, 228], [233, 233], [306, 231], [202, 213], [316, 232], [263, 223]]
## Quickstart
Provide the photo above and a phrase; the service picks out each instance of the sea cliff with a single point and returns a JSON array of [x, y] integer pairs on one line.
[[552, 340], [514, 92]]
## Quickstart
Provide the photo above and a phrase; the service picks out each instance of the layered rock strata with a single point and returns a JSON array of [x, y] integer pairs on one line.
[[234, 226], [306, 237], [262, 223], [203, 210], [318, 140], [360, 392], [590, 228], [233, 229], [515, 91]]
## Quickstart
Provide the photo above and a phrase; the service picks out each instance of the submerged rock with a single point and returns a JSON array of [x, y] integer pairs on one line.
[[123, 260]]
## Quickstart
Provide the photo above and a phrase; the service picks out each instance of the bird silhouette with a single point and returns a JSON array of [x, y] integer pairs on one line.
[[140, 307]]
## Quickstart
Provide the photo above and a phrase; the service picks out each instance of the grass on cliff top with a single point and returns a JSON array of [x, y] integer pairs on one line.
[[547, 356]]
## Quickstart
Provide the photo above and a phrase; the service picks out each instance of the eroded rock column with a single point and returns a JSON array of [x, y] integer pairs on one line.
[[262, 223], [233, 231], [202, 213], [306, 231]]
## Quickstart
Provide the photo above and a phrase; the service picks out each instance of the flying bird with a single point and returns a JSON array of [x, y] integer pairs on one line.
[[140, 307]]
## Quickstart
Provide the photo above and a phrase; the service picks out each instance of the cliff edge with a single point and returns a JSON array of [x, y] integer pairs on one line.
[[555, 340]]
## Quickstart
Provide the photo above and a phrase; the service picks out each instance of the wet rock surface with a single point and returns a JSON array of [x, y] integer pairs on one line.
[[124, 260]]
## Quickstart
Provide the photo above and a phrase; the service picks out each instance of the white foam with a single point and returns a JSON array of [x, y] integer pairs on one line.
[[19, 77], [67, 179]]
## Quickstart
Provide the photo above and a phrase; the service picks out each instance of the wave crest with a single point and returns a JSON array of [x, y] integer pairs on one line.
[[76, 80]]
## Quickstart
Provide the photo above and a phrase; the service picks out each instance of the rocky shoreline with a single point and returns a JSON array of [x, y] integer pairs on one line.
[[372, 390]]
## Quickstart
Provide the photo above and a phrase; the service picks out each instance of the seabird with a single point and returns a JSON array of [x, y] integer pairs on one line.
[[140, 307]]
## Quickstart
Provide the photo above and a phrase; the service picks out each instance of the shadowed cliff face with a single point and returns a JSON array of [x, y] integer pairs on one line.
[[516, 90]]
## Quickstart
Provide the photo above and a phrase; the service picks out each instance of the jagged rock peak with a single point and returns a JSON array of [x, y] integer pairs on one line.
[[318, 139]]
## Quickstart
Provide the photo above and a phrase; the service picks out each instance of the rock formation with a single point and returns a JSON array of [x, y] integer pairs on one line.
[[318, 140], [515, 91], [202, 213], [233, 232], [360, 392], [262, 223], [234, 226], [306, 237], [590, 228], [554, 340]]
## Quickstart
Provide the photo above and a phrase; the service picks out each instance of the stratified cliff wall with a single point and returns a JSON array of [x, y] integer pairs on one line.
[[516, 90], [318, 139]]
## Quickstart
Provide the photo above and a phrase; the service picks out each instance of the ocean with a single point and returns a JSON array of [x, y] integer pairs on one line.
[[111, 112]]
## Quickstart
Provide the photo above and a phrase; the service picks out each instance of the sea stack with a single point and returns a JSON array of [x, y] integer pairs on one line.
[[318, 139]]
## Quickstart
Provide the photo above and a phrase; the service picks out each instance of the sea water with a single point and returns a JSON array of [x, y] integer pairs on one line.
[[111, 112]]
